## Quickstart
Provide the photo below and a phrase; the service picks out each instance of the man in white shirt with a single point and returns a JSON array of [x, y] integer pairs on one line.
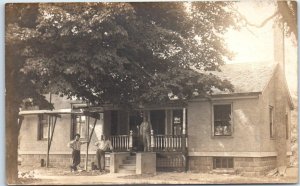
[[103, 145], [75, 145]]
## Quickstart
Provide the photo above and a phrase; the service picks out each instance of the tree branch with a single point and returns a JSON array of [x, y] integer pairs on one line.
[[141, 68], [263, 23]]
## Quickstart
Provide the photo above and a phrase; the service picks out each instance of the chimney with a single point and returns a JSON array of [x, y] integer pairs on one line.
[[280, 97], [278, 37]]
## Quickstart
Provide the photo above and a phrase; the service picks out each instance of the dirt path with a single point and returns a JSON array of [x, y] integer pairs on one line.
[[159, 178]]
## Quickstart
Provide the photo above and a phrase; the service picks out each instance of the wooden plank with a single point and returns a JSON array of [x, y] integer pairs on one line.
[[88, 144], [59, 111]]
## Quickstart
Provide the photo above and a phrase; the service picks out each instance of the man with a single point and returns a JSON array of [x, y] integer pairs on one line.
[[75, 145], [145, 129], [103, 145]]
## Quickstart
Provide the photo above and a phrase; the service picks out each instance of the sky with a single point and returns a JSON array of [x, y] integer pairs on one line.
[[251, 44]]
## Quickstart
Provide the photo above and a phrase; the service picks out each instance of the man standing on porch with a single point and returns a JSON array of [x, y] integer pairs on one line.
[[103, 145], [145, 129]]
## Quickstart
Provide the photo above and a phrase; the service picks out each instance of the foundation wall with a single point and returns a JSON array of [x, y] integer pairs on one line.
[[248, 166], [59, 160]]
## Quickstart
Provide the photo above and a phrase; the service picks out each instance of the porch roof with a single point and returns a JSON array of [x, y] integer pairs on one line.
[[58, 112], [35, 112]]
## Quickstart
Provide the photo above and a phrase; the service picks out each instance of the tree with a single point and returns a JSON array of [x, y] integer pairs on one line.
[[285, 12], [121, 53]]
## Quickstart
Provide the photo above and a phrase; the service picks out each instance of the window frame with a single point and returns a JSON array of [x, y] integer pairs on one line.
[[271, 122], [213, 120], [174, 124], [214, 166], [40, 128], [77, 107], [74, 126]]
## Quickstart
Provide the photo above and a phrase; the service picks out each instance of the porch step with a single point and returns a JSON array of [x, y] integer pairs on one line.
[[127, 171], [128, 165], [133, 158], [129, 162]]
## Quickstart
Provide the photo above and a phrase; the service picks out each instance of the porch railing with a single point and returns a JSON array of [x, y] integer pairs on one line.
[[169, 142], [121, 142], [158, 142]]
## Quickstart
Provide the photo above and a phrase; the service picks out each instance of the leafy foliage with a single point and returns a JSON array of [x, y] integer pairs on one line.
[[122, 53], [288, 15]]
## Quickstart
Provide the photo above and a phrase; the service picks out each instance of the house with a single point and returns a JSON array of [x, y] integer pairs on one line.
[[245, 131]]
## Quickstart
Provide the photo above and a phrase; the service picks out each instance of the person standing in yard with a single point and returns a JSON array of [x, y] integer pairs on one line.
[[75, 145], [145, 129], [103, 145]]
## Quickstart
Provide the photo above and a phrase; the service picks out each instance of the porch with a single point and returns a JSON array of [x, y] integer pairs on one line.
[[171, 150], [168, 138], [168, 132]]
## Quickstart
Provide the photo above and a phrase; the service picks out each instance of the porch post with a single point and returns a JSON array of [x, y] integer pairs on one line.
[[184, 136], [87, 145], [48, 137], [130, 140], [184, 121], [48, 141], [89, 141], [184, 140], [152, 145]]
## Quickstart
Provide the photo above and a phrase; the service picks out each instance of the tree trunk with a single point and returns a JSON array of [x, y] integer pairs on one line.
[[11, 118], [11, 127], [11, 130]]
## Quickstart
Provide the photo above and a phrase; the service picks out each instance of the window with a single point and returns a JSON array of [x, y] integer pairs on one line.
[[222, 120], [177, 121], [271, 120], [43, 126], [222, 163], [79, 126]]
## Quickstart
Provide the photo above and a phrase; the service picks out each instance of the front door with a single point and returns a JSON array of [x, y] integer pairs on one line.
[[135, 120], [158, 121]]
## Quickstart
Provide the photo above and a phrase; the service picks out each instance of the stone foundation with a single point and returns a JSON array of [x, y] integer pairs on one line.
[[200, 164], [254, 166], [248, 166], [116, 160], [146, 163], [58, 160], [170, 162]]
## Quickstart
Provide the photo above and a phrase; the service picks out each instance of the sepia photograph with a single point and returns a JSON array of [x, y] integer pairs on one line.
[[182, 92]]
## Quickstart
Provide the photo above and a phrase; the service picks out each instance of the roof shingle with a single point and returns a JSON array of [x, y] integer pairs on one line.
[[246, 77]]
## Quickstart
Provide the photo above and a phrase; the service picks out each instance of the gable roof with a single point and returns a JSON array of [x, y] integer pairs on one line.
[[246, 77]]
